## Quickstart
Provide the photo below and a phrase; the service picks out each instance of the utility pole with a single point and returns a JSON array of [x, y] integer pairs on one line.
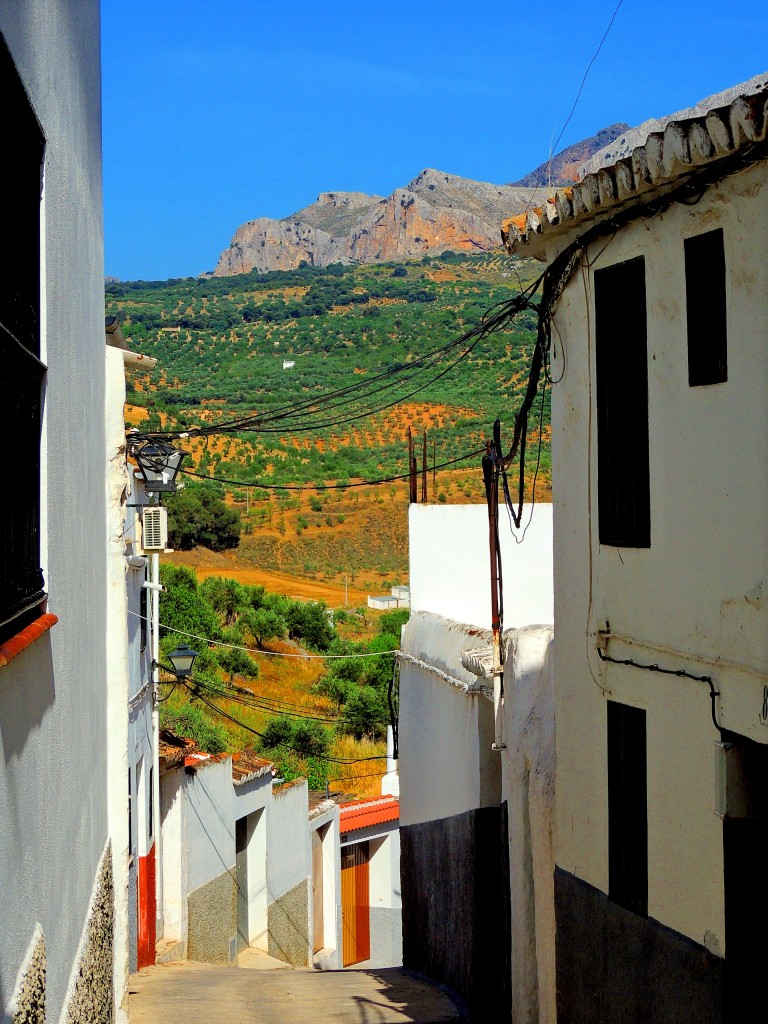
[[412, 469], [424, 470]]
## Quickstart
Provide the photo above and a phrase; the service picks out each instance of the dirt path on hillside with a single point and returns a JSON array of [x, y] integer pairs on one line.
[[330, 591]]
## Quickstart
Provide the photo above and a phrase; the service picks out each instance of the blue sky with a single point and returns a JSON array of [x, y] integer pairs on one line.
[[216, 113]]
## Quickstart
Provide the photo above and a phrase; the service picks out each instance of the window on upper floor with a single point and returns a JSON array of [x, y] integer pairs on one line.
[[706, 308], [143, 619], [22, 374], [627, 808], [623, 470]]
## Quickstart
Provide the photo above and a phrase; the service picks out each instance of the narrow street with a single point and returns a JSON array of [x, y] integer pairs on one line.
[[201, 993]]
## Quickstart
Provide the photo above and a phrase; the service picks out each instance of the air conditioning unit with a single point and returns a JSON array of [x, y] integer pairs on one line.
[[154, 528]]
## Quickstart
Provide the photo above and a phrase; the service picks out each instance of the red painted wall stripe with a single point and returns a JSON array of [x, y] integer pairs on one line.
[[147, 902]]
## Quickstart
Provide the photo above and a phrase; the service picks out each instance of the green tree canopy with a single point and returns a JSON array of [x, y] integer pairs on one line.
[[197, 515]]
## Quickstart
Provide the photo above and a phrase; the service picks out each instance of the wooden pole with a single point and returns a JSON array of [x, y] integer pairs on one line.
[[424, 470]]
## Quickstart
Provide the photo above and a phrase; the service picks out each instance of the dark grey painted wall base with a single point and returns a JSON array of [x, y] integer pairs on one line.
[[614, 967], [455, 885]]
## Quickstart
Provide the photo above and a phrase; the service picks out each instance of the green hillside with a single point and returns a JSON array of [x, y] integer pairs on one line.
[[221, 344]]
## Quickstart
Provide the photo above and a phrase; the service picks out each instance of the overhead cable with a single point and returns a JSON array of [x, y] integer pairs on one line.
[[325, 487], [248, 728], [255, 650]]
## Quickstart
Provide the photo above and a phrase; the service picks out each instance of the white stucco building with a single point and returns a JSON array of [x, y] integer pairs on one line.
[[475, 821], [63, 798], [660, 489]]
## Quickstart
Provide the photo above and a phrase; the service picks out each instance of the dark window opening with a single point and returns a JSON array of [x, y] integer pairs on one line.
[[151, 805], [130, 815], [22, 374], [745, 855], [706, 309], [143, 619], [623, 470], [627, 808]]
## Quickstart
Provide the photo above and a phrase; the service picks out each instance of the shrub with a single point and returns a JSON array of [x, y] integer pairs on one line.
[[192, 723]]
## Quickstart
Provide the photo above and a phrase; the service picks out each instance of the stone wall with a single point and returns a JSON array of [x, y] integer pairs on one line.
[[28, 1003], [288, 923], [455, 886], [212, 921], [92, 1001], [659, 976]]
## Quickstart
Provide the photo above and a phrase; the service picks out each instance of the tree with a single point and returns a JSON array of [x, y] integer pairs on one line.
[[264, 624], [390, 622], [197, 515], [226, 596], [192, 723], [366, 713], [308, 621], [277, 732], [183, 607]]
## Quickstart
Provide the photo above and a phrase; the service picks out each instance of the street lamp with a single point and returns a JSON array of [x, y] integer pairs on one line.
[[182, 659], [158, 461]]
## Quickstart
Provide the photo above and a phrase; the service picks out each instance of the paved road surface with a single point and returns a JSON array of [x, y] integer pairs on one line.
[[192, 993]]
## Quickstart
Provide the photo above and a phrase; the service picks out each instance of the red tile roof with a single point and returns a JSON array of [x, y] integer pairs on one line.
[[362, 813]]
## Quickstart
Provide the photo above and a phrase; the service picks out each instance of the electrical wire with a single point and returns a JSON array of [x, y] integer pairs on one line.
[[555, 144], [680, 672], [255, 650], [325, 487], [255, 732], [496, 318], [237, 697]]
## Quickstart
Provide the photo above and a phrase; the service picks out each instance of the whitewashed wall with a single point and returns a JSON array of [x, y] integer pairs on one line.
[[288, 849], [53, 722], [697, 590], [445, 730], [450, 571]]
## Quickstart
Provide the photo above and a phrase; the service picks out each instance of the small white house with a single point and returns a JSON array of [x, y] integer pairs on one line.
[[476, 813], [216, 892], [370, 882]]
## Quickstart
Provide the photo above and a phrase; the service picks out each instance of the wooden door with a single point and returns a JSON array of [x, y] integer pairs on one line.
[[317, 892], [355, 910]]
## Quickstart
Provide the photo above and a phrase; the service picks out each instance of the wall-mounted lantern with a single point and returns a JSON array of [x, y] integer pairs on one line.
[[158, 461], [182, 659]]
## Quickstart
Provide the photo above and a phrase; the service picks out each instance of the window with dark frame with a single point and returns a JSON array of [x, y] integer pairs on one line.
[[706, 311], [627, 808], [621, 357], [22, 378], [143, 619], [151, 805]]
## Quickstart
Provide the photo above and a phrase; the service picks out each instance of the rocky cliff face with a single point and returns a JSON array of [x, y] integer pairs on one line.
[[566, 166], [435, 211]]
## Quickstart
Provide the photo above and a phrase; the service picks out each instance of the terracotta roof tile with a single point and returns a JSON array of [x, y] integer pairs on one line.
[[247, 766], [25, 637], [362, 813], [679, 148]]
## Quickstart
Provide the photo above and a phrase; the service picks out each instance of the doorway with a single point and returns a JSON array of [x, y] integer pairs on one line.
[[241, 872], [355, 904], [745, 855]]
